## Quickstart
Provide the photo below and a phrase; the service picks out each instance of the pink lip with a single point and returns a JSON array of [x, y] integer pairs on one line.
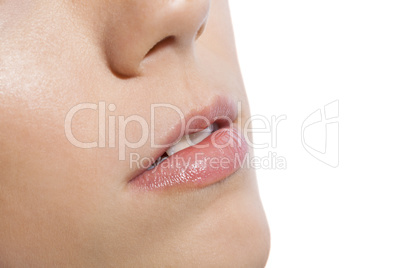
[[212, 160], [196, 167]]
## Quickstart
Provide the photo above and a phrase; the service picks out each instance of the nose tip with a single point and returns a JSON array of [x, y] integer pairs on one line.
[[137, 27]]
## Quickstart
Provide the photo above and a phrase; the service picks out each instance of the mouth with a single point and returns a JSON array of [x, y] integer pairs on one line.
[[208, 153], [185, 142]]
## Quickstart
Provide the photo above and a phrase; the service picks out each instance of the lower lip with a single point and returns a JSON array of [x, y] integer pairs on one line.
[[210, 161]]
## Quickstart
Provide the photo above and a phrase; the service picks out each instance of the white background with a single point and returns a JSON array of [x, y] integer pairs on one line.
[[296, 57]]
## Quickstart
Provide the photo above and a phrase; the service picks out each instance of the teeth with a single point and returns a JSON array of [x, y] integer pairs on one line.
[[190, 140]]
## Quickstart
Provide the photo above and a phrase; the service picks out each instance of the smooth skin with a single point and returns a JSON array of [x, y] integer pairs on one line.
[[64, 206]]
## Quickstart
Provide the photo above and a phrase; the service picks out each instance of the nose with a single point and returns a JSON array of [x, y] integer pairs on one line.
[[136, 28]]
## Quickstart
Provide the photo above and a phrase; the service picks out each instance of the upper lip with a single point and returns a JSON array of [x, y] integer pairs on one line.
[[221, 110]]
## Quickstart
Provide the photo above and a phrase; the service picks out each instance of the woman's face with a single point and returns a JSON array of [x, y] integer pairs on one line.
[[88, 89]]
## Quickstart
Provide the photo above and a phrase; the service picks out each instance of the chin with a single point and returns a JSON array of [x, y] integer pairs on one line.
[[231, 232]]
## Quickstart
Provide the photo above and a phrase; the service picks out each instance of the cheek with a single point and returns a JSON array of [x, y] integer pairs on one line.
[[55, 194], [44, 180], [52, 194]]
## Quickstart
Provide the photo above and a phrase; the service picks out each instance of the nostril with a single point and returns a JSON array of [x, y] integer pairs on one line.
[[200, 31], [165, 42]]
